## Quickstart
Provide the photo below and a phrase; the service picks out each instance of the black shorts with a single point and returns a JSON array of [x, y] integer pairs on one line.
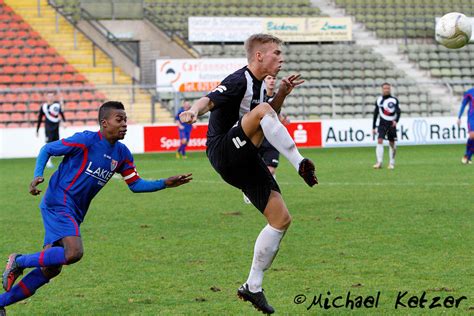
[[52, 134], [269, 154], [237, 161], [386, 130]]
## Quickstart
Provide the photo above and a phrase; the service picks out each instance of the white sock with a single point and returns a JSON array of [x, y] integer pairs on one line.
[[392, 152], [278, 136], [266, 248], [379, 152]]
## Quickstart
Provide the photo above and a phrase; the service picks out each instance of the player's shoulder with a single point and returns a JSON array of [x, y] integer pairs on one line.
[[123, 149], [469, 92], [237, 76], [85, 138]]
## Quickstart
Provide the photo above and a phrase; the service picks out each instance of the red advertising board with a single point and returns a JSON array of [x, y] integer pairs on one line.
[[306, 134], [165, 138]]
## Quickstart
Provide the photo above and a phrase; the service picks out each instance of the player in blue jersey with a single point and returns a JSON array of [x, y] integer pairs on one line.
[[90, 160], [468, 99], [184, 130]]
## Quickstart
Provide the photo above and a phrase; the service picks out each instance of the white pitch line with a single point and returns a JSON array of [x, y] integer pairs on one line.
[[355, 183], [163, 172]]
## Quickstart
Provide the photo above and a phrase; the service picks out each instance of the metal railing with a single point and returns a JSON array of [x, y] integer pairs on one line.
[[123, 47], [150, 15], [72, 21]]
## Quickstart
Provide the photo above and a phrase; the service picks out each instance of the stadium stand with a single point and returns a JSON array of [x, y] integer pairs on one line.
[[407, 18], [28, 64], [346, 73], [342, 80], [65, 60], [174, 14], [412, 23]]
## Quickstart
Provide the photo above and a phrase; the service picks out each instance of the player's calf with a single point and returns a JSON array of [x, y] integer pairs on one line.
[[51, 272]]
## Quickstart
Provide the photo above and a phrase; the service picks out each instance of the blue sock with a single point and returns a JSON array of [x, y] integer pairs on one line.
[[50, 257], [25, 288], [469, 148], [180, 149], [184, 149]]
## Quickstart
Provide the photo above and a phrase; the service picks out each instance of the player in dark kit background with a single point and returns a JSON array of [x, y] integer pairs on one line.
[[387, 107], [51, 110], [90, 160], [239, 121]]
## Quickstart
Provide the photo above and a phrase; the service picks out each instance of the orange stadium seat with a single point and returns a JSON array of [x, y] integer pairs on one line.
[[69, 68], [34, 107], [8, 70], [21, 107], [39, 51], [22, 69], [16, 117], [4, 117], [43, 78], [58, 68], [45, 69], [8, 107], [15, 51], [30, 78], [28, 51]]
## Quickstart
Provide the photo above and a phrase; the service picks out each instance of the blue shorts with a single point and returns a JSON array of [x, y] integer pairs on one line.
[[58, 223], [184, 134], [470, 123]]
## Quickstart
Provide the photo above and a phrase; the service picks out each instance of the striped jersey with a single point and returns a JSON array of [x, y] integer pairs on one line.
[[387, 108], [236, 95], [88, 164]]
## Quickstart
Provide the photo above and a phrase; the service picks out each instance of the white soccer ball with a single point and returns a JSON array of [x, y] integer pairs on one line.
[[453, 30]]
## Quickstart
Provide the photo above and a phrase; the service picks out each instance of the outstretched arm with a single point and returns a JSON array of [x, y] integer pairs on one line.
[[286, 86], [140, 185], [200, 107]]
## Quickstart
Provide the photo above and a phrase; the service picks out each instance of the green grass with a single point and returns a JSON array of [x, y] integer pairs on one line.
[[361, 230]]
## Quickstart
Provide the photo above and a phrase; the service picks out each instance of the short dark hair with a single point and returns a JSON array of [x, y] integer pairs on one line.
[[105, 108], [386, 84]]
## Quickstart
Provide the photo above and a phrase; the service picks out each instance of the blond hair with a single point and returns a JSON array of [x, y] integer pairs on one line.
[[255, 40]]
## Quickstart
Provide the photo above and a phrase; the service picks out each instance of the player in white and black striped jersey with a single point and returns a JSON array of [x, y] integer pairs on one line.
[[387, 107], [53, 113], [240, 119]]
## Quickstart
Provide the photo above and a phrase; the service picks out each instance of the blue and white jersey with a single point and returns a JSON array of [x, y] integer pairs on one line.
[[88, 164]]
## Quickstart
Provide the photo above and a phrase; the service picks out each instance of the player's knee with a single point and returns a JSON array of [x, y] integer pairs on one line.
[[51, 272], [74, 255], [287, 221], [283, 222], [265, 109]]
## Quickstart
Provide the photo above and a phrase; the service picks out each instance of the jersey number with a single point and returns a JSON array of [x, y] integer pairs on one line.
[[238, 142]]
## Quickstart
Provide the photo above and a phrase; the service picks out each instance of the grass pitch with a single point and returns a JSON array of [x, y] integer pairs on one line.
[[186, 250]]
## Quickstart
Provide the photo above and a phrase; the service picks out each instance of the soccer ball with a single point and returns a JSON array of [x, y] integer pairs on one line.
[[453, 30]]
